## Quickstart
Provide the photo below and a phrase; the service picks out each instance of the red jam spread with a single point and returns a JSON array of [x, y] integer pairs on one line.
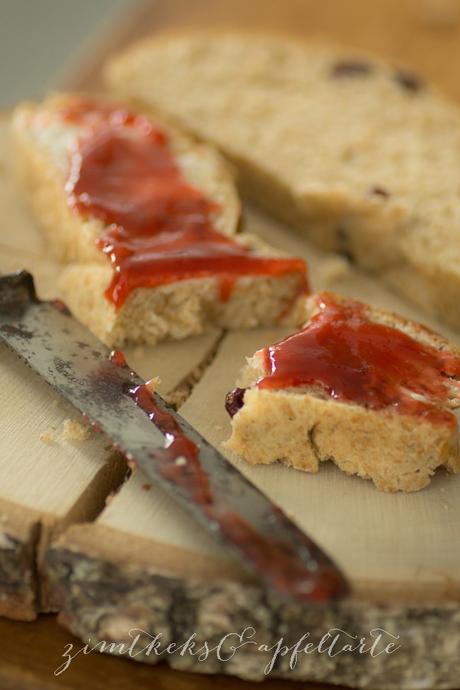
[[179, 461], [160, 227], [354, 359], [117, 357]]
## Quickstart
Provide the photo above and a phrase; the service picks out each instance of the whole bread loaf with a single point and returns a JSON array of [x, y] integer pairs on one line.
[[360, 156]]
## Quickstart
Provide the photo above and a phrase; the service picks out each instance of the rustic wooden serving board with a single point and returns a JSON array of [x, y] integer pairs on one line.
[[141, 562]]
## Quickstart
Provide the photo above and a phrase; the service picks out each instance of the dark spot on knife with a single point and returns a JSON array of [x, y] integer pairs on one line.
[[109, 385], [65, 369], [17, 331]]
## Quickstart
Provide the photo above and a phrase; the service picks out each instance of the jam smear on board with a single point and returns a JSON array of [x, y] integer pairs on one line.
[[160, 227], [354, 359]]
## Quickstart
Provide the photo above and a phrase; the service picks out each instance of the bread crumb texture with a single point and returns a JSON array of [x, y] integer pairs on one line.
[[72, 430], [47, 436]]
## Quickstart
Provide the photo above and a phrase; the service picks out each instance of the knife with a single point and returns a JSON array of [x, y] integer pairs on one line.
[[170, 452]]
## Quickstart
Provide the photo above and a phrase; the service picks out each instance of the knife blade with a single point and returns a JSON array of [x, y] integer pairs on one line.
[[170, 452]]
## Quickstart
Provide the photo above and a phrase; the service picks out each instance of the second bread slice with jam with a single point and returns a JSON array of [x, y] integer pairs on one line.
[[364, 388]]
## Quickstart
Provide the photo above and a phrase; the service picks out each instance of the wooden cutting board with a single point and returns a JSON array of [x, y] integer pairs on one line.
[[147, 562]]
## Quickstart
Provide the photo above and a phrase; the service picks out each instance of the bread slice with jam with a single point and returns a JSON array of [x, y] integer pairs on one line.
[[148, 219], [369, 390]]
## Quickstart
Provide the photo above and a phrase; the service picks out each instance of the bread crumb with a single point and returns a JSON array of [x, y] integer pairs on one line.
[[177, 397], [74, 431], [333, 270], [153, 384], [47, 436]]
